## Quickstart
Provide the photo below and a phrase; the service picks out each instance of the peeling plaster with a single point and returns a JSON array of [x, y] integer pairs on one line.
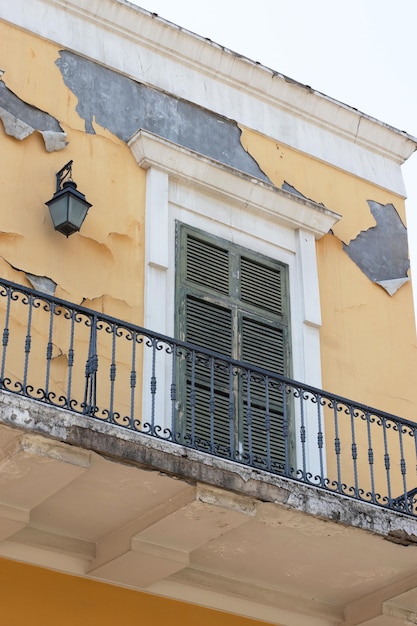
[[123, 106], [42, 283], [381, 252], [21, 119], [287, 187]]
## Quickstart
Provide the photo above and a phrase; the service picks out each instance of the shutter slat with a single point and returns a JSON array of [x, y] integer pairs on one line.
[[261, 285], [207, 264], [208, 325], [263, 346], [202, 424]]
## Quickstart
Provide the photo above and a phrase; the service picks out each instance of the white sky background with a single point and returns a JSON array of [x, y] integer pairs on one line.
[[361, 52]]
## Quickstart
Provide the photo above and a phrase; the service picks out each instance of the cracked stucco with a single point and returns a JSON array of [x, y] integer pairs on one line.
[[21, 119], [381, 251], [100, 264], [124, 106]]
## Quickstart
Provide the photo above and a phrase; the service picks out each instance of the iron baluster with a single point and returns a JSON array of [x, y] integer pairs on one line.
[[153, 385], [90, 395], [370, 455], [267, 424], [6, 334], [403, 467], [249, 416], [320, 439], [132, 381], [192, 399], [354, 449], [70, 359], [174, 353], [28, 343], [303, 435], [387, 462], [337, 446], [231, 414], [212, 405], [285, 429], [49, 348], [112, 372]]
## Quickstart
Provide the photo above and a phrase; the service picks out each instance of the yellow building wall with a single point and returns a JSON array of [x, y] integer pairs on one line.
[[102, 266], [368, 338], [36, 596], [368, 342]]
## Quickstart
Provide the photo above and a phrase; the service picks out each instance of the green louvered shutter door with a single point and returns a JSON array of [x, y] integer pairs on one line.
[[207, 323], [234, 302], [264, 344]]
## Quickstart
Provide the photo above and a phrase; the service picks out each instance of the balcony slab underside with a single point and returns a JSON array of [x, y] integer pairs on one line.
[[91, 499]]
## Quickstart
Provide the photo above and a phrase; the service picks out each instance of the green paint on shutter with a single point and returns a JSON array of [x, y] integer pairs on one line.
[[208, 325], [234, 302], [261, 285], [263, 345], [207, 264]]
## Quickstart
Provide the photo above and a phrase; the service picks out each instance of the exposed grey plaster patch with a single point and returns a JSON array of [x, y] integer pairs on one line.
[[381, 252], [54, 141], [21, 119], [124, 106], [13, 126], [391, 286], [42, 283], [287, 187]]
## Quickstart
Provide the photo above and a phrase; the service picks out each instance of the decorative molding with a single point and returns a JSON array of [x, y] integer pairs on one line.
[[187, 186], [233, 186], [148, 49]]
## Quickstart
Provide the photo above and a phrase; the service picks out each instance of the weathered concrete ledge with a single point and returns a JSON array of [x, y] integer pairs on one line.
[[134, 448]]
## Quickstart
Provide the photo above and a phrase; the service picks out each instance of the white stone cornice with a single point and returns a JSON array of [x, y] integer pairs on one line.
[[236, 187], [205, 55], [148, 49]]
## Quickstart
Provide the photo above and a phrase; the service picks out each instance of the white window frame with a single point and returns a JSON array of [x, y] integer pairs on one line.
[[185, 186]]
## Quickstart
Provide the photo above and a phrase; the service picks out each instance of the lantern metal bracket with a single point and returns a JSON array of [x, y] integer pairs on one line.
[[64, 172]]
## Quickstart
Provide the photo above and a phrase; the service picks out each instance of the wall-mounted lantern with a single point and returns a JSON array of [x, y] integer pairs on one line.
[[68, 207]]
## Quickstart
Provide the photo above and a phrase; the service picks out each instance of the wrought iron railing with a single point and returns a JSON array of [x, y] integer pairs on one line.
[[79, 359]]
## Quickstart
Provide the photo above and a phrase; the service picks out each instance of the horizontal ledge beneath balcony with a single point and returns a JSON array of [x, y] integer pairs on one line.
[[270, 602], [232, 185], [56, 542]]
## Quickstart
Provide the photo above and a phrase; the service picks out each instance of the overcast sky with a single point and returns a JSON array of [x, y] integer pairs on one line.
[[361, 52]]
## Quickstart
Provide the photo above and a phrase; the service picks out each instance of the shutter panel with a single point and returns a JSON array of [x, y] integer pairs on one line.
[[208, 325], [261, 285], [263, 345], [207, 265], [233, 302]]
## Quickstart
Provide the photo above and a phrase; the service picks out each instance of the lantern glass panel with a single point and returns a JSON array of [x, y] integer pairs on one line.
[[77, 210], [59, 211]]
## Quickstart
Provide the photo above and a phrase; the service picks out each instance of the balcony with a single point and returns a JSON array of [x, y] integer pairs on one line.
[[117, 373], [136, 459]]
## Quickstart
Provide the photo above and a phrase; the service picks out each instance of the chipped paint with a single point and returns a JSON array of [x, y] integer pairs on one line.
[[123, 106], [381, 252], [356, 312], [42, 283], [21, 119]]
